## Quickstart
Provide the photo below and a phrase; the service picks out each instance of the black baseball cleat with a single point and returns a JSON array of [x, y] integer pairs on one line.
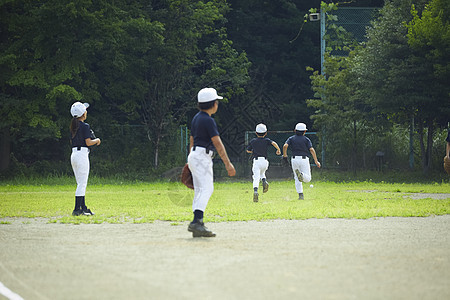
[[198, 229], [300, 196], [299, 175], [255, 197], [77, 212], [265, 186]]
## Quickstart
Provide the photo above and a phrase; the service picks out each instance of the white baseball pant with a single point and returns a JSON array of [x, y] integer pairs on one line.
[[80, 166], [301, 164], [201, 166], [259, 168]]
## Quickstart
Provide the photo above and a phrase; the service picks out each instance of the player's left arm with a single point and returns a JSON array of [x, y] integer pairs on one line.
[[90, 142], [223, 155], [313, 153]]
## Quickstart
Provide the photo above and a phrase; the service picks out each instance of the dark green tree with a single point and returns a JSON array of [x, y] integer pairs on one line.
[[395, 81], [340, 112], [279, 45], [196, 53], [429, 37], [136, 62], [54, 53]]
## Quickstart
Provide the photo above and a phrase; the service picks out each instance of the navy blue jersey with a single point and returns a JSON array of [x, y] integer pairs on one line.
[[259, 146], [203, 128], [299, 145], [83, 133]]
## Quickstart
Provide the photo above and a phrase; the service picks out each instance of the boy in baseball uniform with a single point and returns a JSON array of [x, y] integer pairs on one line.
[[203, 141], [301, 147], [258, 148]]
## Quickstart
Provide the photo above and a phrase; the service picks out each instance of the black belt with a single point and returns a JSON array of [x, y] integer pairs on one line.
[[79, 148], [256, 158], [206, 151], [302, 156]]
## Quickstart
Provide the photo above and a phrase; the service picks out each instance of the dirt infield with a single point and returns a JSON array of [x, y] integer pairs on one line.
[[384, 258]]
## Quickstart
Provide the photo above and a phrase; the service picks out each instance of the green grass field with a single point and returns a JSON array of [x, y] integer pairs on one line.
[[232, 201]]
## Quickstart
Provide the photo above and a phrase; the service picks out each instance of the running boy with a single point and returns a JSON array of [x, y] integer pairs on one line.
[[301, 146], [258, 147]]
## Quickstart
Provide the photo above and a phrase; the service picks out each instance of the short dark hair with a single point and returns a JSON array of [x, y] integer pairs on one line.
[[261, 134], [297, 132], [205, 105]]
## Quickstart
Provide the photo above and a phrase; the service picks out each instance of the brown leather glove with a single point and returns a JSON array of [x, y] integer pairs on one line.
[[186, 177]]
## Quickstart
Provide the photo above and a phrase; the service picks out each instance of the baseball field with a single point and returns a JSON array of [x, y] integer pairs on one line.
[[353, 240]]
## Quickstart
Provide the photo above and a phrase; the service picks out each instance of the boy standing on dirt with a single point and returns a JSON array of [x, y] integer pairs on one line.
[[258, 147], [203, 141]]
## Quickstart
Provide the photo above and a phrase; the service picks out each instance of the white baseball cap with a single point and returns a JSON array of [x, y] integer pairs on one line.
[[300, 127], [207, 95], [261, 128], [78, 109]]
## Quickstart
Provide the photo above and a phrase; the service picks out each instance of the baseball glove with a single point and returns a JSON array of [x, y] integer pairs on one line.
[[284, 162], [186, 177], [447, 164], [93, 137]]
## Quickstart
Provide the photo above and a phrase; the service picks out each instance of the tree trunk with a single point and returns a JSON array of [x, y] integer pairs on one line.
[[422, 145], [411, 144], [157, 142], [156, 155], [5, 148], [429, 145], [426, 150]]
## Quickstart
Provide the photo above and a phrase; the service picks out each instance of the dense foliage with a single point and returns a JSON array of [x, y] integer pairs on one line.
[[390, 82]]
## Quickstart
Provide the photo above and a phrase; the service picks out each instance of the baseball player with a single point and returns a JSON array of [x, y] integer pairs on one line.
[[301, 147], [258, 147], [82, 138], [203, 141]]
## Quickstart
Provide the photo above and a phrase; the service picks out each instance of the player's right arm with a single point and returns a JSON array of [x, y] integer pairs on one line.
[[285, 147], [223, 155], [250, 148], [191, 142], [276, 147], [313, 153]]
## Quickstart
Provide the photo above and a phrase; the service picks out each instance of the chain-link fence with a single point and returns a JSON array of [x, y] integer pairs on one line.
[[355, 20]]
